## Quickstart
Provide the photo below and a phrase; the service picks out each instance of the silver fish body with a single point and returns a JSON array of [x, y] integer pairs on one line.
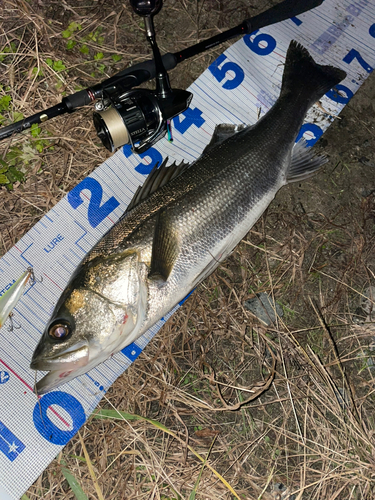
[[175, 236]]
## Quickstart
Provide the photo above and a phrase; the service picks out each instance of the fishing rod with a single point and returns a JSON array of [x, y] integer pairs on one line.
[[140, 117]]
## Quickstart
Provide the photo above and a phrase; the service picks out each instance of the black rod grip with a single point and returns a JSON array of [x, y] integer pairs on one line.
[[76, 100], [169, 62], [144, 71]]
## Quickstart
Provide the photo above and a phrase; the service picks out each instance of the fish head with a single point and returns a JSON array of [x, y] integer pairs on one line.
[[84, 331]]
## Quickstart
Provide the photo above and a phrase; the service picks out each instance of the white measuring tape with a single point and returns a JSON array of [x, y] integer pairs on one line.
[[242, 82]]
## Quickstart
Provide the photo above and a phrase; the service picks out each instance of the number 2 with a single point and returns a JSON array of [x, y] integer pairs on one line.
[[96, 213]]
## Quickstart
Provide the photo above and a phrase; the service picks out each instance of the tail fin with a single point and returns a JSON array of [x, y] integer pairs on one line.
[[306, 79]]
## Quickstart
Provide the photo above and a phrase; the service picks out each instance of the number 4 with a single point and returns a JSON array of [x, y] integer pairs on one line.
[[354, 54], [191, 116]]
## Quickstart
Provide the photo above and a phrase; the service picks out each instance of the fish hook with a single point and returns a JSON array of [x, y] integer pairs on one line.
[[33, 279], [13, 324]]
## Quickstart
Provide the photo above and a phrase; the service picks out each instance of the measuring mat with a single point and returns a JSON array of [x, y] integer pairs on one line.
[[241, 85]]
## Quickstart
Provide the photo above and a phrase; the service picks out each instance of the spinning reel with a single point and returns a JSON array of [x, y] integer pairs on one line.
[[126, 116], [140, 117]]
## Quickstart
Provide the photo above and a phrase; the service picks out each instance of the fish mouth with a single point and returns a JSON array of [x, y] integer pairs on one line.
[[67, 360], [62, 367], [53, 379]]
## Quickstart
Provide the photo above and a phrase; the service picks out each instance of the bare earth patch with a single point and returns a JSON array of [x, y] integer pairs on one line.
[[290, 405]]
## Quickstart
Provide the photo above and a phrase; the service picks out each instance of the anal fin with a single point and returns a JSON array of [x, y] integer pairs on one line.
[[304, 162]]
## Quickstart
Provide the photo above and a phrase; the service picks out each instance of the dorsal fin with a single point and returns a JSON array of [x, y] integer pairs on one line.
[[157, 178], [221, 133]]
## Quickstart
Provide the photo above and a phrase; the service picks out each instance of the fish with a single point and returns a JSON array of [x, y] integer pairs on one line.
[[181, 224]]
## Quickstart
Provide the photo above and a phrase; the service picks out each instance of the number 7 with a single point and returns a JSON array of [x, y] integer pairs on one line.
[[354, 54]]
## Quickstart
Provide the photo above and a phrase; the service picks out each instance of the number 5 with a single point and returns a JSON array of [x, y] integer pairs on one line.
[[220, 73]]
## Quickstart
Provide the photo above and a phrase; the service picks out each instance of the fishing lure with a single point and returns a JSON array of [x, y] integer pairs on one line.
[[10, 298]]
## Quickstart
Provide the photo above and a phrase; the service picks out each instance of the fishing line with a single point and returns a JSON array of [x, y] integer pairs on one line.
[[38, 400]]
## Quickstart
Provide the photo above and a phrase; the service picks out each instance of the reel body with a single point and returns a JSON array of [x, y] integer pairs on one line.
[[136, 116]]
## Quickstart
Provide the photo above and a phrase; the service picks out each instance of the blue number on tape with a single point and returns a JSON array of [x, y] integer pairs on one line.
[[255, 46], [220, 73], [96, 213], [4, 377], [336, 96], [297, 21], [10, 445], [192, 116], [372, 30], [44, 424], [354, 54], [151, 153], [132, 351], [315, 133]]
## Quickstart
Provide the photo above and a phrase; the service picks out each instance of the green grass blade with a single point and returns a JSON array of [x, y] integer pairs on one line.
[[73, 483], [116, 414], [195, 489]]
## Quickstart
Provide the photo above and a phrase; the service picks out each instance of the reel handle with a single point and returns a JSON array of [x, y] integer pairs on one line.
[[146, 7]]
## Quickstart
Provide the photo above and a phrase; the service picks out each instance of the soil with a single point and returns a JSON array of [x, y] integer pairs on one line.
[[209, 374]]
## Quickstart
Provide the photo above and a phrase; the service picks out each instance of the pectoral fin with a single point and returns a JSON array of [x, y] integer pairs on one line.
[[165, 247]]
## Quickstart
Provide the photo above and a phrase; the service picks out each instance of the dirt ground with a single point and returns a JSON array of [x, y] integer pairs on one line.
[[279, 412]]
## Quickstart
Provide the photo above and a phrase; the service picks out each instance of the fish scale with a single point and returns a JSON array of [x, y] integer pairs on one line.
[[180, 226]]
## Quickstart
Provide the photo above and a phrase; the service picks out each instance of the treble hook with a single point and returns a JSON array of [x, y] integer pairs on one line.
[[13, 325], [33, 279]]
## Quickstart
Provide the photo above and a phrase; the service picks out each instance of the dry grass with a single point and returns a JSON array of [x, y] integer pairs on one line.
[[209, 378]]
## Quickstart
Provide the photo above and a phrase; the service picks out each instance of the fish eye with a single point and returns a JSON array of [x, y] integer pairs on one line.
[[59, 330]]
